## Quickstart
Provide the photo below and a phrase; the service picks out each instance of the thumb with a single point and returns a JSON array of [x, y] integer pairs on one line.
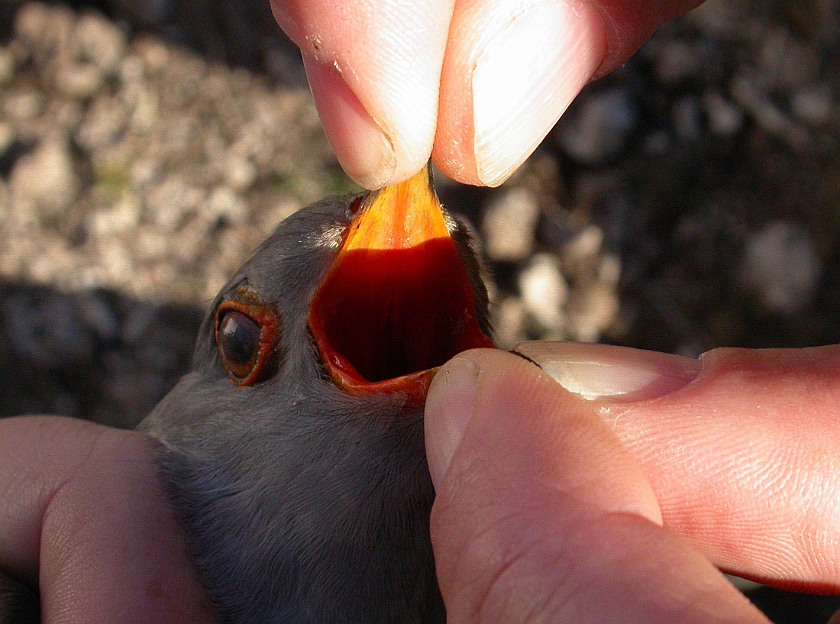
[[742, 448], [540, 512]]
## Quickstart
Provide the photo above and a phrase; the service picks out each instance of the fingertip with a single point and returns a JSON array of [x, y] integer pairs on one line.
[[511, 70], [449, 407], [364, 151], [374, 71]]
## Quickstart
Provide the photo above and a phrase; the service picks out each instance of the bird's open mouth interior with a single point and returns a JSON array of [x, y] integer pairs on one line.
[[398, 301]]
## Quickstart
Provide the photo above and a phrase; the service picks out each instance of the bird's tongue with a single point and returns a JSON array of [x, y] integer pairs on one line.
[[398, 302]]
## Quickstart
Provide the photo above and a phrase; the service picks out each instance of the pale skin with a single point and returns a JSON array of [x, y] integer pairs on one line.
[[611, 497]]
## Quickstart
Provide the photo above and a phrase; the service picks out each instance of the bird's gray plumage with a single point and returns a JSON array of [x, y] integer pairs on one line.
[[302, 503]]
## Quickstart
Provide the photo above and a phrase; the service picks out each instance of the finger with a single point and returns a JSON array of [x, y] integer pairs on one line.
[[374, 70], [742, 448], [513, 67], [540, 513], [85, 520]]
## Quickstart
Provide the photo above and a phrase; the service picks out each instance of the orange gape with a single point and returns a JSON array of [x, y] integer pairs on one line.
[[400, 216], [397, 302]]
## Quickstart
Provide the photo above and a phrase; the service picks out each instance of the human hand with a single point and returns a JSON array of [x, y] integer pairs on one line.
[[553, 507], [83, 518], [475, 83]]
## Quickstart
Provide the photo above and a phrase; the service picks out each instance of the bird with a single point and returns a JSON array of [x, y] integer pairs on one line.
[[293, 451]]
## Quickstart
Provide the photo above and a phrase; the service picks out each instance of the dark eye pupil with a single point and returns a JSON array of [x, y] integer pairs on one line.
[[239, 340]]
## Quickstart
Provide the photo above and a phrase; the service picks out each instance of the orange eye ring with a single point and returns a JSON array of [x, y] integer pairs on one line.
[[256, 366]]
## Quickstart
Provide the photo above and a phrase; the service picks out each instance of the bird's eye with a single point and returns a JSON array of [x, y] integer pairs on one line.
[[247, 336], [239, 343]]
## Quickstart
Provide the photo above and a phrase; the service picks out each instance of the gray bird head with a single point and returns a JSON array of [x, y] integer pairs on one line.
[[293, 452]]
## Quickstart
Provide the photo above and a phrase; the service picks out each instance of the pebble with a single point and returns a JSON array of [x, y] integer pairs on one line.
[[748, 93], [23, 105], [677, 61], [544, 292], [240, 173], [169, 202], [101, 42], [582, 250], [725, 118], [780, 267], [509, 223], [591, 311], [79, 80], [600, 128], [227, 205], [509, 320], [104, 123], [45, 178], [814, 105], [122, 216]]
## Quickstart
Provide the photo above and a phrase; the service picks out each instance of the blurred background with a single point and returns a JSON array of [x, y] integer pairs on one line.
[[690, 200]]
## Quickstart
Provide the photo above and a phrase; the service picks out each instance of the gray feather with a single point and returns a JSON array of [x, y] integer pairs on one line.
[[302, 504]]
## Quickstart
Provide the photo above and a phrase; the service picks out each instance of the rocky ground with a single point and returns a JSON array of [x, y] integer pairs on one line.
[[688, 201]]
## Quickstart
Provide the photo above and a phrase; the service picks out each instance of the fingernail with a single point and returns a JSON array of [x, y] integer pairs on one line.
[[449, 407], [364, 151], [537, 58], [606, 372]]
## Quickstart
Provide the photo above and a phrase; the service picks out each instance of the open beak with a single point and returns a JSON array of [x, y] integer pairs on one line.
[[398, 302]]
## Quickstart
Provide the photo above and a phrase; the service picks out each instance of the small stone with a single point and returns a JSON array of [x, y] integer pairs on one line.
[[598, 131], [582, 250], [677, 61], [131, 69], [509, 318], [592, 309], [509, 223], [153, 53], [46, 32], [781, 268], [240, 173], [23, 105], [747, 92], [544, 292], [123, 216], [725, 118], [45, 178], [31, 20], [785, 62], [169, 202], [146, 107], [104, 122], [101, 42], [814, 105], [79, 80], [225, 204], [609, 270]]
